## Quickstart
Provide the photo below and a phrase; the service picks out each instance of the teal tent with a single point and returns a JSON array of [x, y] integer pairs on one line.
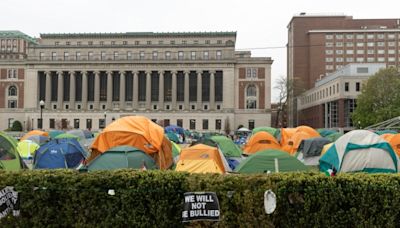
[[54, 133], [381, 132], [325, 132], [226, 145], [172, 137], [333, 137], [271, 160], [122, 157]]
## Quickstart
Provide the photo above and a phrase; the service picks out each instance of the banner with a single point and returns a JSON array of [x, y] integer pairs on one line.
[[200, 206], [9, 202]]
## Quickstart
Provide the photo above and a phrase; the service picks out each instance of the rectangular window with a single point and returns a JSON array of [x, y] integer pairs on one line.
[[218, 125], [328, 60], [90, 43], [360, 44], [381, 59], [52, 123], [391, 44], [89, 124], [349, 44], [66, 56], [116, 55], [360, 59], [350, 60], [205, 124], [329, 52], [339, 52], [76, 123], [103, 55], [112, 42], [102, 123], [391, 51], [370, 44], [370, 59], [346, 87], [380, 44], [339, 36], [349, 52], [137, 42], [339, 44], [360, 36], [381, 52], [148, 42], [370, 36], [206, 55], [124, 42], [167, 55], [329, 44], [219, 41], [90, 55], [12, 104], [184, 42], [357, 86], [141, 55], [360, 52], [381, 36], [172, 42], [251, 124], [57, 43], [219, 54], [349, 36], [329, 67], [180, 55], [192, 124], [79, 43], [78, 55], [370, 52], [339, 59], [193, 55], [155, 55], [41, 56], [363, 70], [54, 56], [179, 122], [101, 43], [129, 55], [391, 59]]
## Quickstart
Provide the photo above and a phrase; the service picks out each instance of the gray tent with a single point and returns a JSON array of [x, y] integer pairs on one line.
[[309, 150]]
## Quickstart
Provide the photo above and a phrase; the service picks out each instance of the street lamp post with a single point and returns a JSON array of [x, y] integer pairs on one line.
[[41, 104], [105, 118]]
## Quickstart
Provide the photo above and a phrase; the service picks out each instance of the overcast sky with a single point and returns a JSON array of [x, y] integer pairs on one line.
[[260, 24]]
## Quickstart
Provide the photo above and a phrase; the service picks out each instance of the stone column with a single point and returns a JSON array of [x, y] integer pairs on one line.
[[212, 90], [60, 90], [97, 90], [199, 87], [173, 90], [161, 91], [48, 90], [186, 94], [122, 90], [72, 90], [109, 90], [135, 90], [84, 90], [148, 90]]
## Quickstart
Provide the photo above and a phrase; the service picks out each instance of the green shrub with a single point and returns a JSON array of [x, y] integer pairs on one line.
[[16, 126], [154, 199]]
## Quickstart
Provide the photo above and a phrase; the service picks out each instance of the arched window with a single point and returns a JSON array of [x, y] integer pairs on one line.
[[12, 91], [251, 97]]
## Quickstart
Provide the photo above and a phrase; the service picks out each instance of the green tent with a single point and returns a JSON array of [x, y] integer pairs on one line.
[[333, 137], [27, 148], [271, 130], [388, 131], [9, 156], [176, 150], [122, 157], [53, 134], [67, 136], [228, 148], [325, 132], [172, 137], [270, 161]]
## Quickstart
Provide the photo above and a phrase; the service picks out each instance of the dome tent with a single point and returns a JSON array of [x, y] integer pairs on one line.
[[360, 151], [9, 156], [139, 132], [260, 141]]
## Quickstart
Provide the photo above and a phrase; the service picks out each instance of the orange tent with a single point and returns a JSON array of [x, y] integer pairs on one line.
[[202, 159], [34, 132], [286, 133], [139, 132], [294, 141], [260, 141], [309, 130], [394, 141]]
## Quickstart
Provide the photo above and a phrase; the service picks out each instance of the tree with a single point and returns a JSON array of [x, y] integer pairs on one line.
[[16, 126], [379, 99], [283, 85]]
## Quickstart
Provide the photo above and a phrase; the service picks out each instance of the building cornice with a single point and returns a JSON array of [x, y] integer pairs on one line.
[[136, 35]]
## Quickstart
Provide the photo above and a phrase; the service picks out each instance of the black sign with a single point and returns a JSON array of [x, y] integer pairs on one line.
[[200, 206], [9, 202]]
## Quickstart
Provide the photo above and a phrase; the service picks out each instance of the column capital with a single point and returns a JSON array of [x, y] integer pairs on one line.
[[109, 72], [47, 72], [96, 72], [186, 72], [135, 72], [174, 72], [59, 72], [212, 71], [72, 72], [199, 71], [84, 72], [160, 72], [148, 72], [122, 72]]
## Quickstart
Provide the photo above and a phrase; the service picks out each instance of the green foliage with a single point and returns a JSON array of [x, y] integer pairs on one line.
[[154, 199], [379, 99], [16, 126]]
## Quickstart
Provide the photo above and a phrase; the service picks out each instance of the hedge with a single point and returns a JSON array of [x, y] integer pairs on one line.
[[155, 199]]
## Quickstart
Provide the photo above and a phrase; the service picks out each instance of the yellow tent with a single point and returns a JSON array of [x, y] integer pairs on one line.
[[260, 141], [27, 148], [139, 132], [202, 159], [325, 148]]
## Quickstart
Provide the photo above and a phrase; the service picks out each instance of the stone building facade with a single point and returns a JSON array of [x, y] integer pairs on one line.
[[194, 80]]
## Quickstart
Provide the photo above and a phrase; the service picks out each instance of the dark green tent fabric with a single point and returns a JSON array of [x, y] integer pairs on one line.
[[172, 137], [333, 137], [205, 141], [271, 130], [122, 157], [54, 133], [228, 148], [270, 161], [381, 132], [325, 132], [9, 156]]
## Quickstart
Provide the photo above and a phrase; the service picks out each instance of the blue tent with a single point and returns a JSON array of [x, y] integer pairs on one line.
[[59, 153], [174, 128]]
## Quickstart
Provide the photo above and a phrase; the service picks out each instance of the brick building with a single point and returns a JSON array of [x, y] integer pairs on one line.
[[321, 44]]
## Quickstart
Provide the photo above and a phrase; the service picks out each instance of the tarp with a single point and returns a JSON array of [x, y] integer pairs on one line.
[[360, 151], [38, 139], [34, 132], [122, 157], [139, 132], [273, 131], [270, 161], [202, 159], [228, 148], [9, 157], [333, 137], [260, 141], [27, 148], [59, 153], [310, 150]]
